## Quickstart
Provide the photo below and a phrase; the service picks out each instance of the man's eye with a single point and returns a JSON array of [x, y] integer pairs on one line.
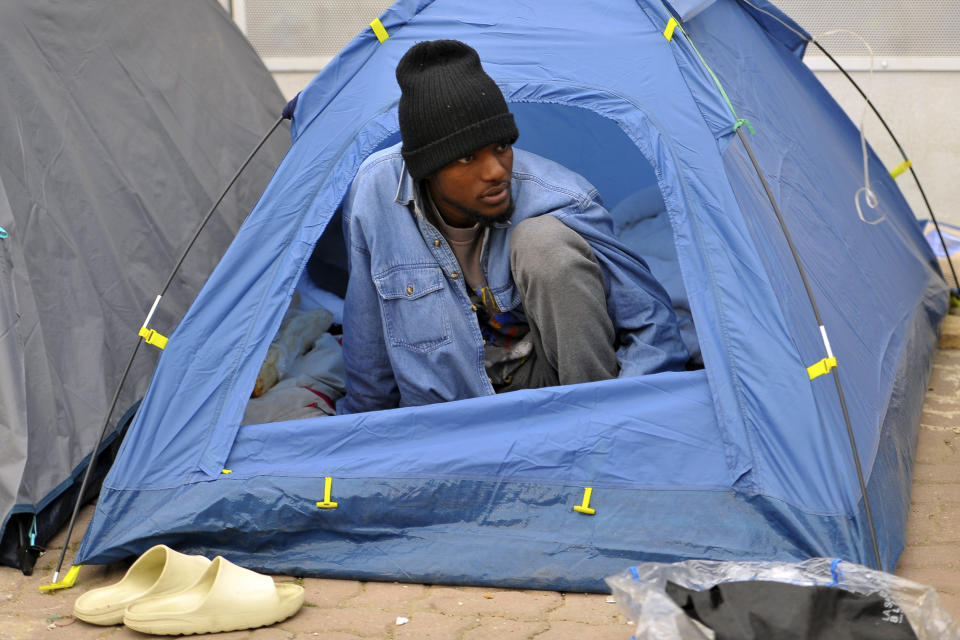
[[465, 159], [502, 147]]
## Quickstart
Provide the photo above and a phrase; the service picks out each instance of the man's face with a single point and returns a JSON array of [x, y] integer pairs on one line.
[[475, 188]]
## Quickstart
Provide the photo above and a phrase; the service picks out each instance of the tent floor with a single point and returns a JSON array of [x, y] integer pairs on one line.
[[348, 608]]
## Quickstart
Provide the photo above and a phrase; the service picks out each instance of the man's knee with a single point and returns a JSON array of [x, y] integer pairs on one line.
[[543, 247]]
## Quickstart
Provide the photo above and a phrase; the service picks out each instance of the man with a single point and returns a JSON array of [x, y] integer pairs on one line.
[[477, 268]]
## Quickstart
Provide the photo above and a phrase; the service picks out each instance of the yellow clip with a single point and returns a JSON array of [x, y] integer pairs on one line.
[[900, 168], [154, 338], [821, 368], [585, 507], [327, 503], [227, 471], [378, 29], [68, 580], [671, 26]]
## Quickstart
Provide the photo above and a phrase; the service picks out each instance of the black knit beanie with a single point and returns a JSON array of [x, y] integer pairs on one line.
[[449, 106]]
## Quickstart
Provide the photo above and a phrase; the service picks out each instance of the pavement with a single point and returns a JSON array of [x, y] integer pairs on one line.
[[351, 610]]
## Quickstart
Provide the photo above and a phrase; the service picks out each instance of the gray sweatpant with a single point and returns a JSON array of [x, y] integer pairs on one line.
[[564, 299]]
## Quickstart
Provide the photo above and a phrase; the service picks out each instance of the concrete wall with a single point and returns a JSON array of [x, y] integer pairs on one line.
[[920, 108], [292, 82]]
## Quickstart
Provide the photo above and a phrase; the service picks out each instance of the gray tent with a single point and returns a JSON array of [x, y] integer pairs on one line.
[[120, 123]]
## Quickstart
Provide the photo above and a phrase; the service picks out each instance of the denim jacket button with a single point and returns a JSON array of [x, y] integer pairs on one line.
[[473, 307], [410, 290], [436, 243], [454, 275]]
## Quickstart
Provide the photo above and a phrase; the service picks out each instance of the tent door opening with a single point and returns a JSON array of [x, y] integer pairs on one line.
[[303, 370]]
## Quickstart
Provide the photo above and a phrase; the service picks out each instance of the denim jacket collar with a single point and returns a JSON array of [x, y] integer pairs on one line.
[[408, 191]]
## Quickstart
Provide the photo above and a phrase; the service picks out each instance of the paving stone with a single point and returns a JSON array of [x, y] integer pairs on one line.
[[505, 629], [946, 405], [65, 628], [944, 380], [387, 595], [947, 357], [44, 605], [938, 447], [10, 579], [936, 474], [929, 556], [944, 580], [433, 626], [935, 493], [932, 523], [8, 600], [950, 333], [329, 593], [361, 622], [69, 628], [272, 633], [588, 608], [327, 635], [946, 420], [472, 601], [20, 627], [563, 630]]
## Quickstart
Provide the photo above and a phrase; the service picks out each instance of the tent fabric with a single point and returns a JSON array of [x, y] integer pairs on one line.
[[120, 125], [747, 458]]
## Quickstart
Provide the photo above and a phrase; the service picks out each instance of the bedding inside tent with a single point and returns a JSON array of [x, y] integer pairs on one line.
[[309, 376]]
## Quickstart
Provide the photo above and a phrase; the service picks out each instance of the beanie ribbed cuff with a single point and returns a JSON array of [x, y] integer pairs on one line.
[[430, 158]]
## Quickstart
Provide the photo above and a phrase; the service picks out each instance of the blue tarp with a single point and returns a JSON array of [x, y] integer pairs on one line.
[[747, 458]]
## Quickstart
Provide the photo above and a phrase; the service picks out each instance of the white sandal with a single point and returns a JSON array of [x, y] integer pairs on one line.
[[225, 598], [158, 571]]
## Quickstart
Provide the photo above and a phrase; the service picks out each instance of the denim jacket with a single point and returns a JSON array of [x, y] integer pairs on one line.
[[410, 336]]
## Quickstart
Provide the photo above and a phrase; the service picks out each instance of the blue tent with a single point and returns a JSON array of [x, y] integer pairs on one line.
[[747, 458]]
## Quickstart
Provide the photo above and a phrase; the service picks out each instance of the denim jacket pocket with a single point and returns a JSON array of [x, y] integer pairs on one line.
[[414, 309]]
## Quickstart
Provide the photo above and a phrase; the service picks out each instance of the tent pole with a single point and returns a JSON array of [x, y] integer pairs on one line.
[[206, 218], [126, 370], [93, 459], [816, 313], [903, 154]]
